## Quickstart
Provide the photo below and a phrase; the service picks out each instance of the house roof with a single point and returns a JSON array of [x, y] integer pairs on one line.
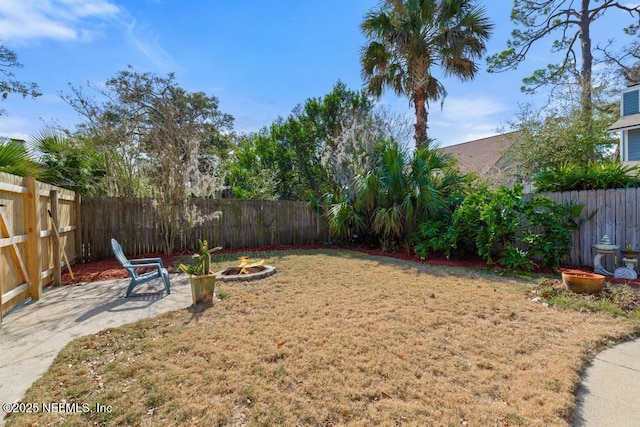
[[482, 155], [624, 122]]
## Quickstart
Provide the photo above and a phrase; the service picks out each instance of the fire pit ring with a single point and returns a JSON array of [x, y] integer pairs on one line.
[[254, 273]]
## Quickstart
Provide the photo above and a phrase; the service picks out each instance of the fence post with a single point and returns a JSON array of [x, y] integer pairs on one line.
[[55, 243], [78, 231], [33, 247]]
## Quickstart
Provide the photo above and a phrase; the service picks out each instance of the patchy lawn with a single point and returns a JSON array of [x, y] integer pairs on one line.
[[337, 338]]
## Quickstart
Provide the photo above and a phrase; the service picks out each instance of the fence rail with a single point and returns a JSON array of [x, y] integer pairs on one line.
[[243, 223], [615, 214], [30, 254]]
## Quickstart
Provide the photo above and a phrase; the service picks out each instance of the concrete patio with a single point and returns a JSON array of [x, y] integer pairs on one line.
[[34, 332]]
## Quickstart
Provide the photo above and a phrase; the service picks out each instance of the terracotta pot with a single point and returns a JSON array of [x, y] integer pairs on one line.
[[630, 255], [583, 283]]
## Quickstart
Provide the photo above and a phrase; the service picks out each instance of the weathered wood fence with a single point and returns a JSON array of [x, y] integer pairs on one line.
[[30, 254], [243, 223], [616, 215], [246, 223]]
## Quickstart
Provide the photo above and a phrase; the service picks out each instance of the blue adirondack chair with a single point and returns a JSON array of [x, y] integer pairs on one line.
[[133, 265]]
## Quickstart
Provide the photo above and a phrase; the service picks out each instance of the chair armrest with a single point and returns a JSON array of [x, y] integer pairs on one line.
[[147, 260], [151, 265]]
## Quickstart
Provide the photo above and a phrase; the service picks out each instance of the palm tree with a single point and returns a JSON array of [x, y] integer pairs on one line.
[[399, 192], [70, 162], [16, 159], [408, 38]]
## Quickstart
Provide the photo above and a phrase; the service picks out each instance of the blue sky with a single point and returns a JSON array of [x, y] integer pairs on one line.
[[260, 58]]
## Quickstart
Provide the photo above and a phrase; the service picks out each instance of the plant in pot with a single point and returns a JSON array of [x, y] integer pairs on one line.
[[629, 253], [203, 281]]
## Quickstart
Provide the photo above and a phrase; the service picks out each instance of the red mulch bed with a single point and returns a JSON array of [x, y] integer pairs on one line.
[[111, 269]]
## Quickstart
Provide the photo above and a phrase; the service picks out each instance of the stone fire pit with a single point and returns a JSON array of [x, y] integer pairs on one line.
[[246, 270]]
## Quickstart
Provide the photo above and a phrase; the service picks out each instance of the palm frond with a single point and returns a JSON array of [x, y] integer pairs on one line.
[[16, 159], [408, 38]]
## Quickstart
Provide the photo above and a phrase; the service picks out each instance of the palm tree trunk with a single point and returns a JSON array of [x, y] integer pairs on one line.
[[419, 103]]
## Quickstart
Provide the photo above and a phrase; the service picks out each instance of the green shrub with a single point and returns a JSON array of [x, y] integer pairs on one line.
[[514, 258], [454, 232], [591, 176], [549, 226], [400, 191], [501, 218], [500, 224]]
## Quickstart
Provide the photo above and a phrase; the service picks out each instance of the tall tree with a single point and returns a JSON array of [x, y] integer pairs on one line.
[[571, 21], [8, 60], [627, 61], [291, 149], [162, 130], [407, 39], [556, 134]]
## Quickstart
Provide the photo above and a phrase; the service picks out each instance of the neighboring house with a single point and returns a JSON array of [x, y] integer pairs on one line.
[[629, 125], [486, 157]]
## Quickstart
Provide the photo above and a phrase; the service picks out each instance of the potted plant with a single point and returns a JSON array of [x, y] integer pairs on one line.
[[629, 253], [203, 281]]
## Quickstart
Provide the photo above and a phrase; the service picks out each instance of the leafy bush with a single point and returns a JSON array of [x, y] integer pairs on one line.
[[590, 176], [555, 222], [514, 258], [501, 218], [386, 203], [500, 224], [455, 231]]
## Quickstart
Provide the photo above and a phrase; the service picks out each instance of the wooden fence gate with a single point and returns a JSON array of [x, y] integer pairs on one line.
[[30, 253]]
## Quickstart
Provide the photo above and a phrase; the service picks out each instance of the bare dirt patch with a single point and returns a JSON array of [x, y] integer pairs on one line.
[[337, 338]]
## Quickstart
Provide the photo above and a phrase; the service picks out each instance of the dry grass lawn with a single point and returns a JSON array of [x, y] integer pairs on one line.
[[338, 338]]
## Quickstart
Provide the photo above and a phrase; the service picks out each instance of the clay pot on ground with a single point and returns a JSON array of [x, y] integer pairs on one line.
[[583, 283]]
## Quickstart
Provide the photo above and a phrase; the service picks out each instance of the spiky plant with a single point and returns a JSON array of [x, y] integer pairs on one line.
[[203, 267]]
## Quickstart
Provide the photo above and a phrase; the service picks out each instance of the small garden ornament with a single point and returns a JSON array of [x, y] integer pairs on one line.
[[629, 253]]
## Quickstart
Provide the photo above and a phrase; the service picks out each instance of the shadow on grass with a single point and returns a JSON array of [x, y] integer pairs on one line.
[[197, 311]]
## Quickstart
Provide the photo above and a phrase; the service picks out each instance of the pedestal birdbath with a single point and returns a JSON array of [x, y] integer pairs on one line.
[[605, 247]]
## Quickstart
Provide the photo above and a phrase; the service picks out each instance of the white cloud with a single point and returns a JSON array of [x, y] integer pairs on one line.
[[149, 45], [13, 127], [24, 20], [466, 119], [76, 20]]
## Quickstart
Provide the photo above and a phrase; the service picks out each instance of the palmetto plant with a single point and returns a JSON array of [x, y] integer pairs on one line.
[[70, 162], [16, 159], [408, 38], [395, 195], [590, 176]]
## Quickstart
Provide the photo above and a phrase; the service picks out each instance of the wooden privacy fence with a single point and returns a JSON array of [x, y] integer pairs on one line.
[[30, 256], [616, 215], [243, 223]]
